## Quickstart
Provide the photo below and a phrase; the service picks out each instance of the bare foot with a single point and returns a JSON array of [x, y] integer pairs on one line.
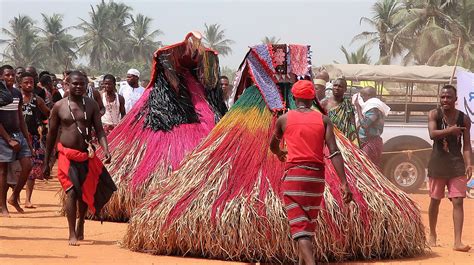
[[29, 205], [5, 212], [73, 240], [80, 230], [432, 241], [15, 204], [462, 248]]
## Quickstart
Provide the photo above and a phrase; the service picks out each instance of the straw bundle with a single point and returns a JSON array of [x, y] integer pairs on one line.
[[225, 202]]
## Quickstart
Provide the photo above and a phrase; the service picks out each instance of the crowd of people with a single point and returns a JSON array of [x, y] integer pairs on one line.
[[24, 118], [41, 102]]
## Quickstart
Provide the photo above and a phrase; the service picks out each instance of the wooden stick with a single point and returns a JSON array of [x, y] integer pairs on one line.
[[455, 61]]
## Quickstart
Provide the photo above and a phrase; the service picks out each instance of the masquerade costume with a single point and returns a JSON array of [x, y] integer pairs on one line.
[[231, 185], [178, 108]]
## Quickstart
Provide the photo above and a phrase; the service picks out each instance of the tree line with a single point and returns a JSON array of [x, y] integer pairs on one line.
[[113, 39]]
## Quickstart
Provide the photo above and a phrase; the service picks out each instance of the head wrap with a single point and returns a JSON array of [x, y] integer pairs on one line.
[[134, 72], [320, 82], [303, 89]]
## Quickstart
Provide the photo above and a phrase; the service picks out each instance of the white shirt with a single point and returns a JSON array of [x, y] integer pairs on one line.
[[131, 95], [112, 110]]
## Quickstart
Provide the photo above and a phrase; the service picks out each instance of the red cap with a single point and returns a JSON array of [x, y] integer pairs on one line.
[[303, 89]]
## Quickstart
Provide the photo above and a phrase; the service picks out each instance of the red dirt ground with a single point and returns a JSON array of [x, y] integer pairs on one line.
[[39, 237]]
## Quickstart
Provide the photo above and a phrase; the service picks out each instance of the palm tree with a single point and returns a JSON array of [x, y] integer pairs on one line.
[[56, 45], [142, 41], [426, 23], [98, 42], [463, 34], [215, 39], [466, 15], [22, 48], [359, 57], [270, 40], [386, 22], [120, 25]]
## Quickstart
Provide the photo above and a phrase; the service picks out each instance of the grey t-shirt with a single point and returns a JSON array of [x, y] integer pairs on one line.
[[9, 113]]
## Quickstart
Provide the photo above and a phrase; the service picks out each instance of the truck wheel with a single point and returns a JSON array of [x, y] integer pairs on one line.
[[407, 174]]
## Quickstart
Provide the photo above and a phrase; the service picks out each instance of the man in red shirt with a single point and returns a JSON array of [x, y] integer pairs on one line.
[[305, 132]]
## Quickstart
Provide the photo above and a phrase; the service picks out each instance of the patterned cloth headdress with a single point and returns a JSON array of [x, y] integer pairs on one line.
[[266, 61]]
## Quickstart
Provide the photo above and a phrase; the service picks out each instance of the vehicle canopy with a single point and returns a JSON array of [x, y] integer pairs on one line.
[[410, 91], [392, 73]]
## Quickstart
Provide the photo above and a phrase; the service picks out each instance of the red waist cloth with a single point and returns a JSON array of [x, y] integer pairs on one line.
[[303, 188], [77, 171]]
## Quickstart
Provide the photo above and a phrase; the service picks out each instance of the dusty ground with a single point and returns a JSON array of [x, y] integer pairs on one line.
[[39, 237]]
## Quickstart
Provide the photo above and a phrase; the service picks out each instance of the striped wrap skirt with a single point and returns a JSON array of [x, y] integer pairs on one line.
[[303, 188]]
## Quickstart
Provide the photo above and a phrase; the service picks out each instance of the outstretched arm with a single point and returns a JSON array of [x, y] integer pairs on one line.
[[276, 139], [336, 159]]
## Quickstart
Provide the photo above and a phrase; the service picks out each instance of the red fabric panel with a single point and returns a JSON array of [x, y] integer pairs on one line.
[[63, 171], [90, 184], [302, 195], [95, 168]]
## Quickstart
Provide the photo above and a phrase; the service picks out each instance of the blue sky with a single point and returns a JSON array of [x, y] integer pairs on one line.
[[324, 24]]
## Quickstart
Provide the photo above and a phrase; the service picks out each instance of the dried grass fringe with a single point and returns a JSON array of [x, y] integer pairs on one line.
[[241, 234]]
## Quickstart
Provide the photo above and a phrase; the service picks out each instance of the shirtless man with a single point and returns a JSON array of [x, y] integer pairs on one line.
[[76, 115]]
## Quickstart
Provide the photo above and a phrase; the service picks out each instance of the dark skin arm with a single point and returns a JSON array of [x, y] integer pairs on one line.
[[42, 106], [330, 139], [23, 128], [11, 142], [4, 134], [99, 129], [98, 99], [122, 105], [276, 138], [436, 134], [467, 149], [336, 160], [51, 138]]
